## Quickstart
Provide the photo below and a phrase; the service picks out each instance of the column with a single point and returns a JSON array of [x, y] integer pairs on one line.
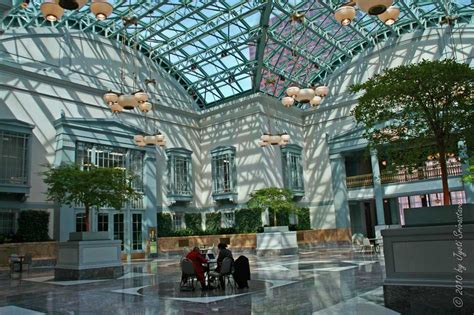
[[338, 170], [378, 192], [150, 200], [468, 187]]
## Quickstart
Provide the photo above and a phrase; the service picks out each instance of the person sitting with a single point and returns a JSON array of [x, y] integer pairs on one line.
[[197, 259], [223, 253]]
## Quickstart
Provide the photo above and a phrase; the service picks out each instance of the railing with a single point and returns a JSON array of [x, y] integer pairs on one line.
[[403, 176], [420, 174], [360, 181]]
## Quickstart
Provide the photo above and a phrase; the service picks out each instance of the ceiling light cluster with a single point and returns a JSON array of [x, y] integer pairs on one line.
[[387, 13], [150, 140], [117, 102], [53, 10], [270, 139], [313, 96]]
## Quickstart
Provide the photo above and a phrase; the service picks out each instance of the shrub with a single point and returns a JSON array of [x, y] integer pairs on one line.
[[164, 224], [283, 218], [247, 220], [213, 222], [304, 221], [33, 226], [193, 222]]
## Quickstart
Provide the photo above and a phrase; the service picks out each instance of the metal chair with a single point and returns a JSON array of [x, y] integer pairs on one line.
[[225, 271], [187, 274], [367, 246], [28, 260]]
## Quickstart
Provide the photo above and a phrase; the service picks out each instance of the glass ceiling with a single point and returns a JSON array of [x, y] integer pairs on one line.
[[218, 50]]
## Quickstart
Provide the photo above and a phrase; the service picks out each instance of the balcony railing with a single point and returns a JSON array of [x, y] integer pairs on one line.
[[403, 176], [360, 181], [420, 174]]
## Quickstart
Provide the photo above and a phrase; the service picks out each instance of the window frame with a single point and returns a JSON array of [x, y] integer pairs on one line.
[[174, 193], [224, 174], [292, 167]]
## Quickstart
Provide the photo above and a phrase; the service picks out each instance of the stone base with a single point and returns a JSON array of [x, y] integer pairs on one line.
[[277, 243], [88, 274], [428, 299], [92, 259], [277, 252]]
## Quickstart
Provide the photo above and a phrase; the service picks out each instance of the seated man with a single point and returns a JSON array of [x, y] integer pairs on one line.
[[197, 259], [223, 253]]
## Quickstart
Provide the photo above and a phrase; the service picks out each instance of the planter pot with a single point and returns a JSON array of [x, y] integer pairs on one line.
[[88, 255], [277, 240], [440, 215]]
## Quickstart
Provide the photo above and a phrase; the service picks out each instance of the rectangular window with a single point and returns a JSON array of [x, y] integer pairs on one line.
[[179, 174], [7, 223], [90, 154], [13, 158], [119, 228], [103, 222], [177, 221], [293, 168], [137, 231], [223, 170], [228, 219], [80, 222]]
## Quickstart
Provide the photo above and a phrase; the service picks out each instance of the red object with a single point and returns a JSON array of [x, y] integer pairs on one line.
[[197, 260]]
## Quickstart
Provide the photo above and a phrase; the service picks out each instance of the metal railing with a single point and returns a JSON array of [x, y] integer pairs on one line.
[[420, 174], [360, 181], [404, 176]]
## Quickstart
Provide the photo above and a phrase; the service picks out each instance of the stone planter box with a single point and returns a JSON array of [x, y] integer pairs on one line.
[[94, 258], [277, 240], [420, 267], [440, 215]]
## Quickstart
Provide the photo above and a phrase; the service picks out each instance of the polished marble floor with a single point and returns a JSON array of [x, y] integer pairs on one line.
[[329, 281]]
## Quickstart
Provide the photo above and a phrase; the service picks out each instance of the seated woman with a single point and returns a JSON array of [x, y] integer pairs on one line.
[[223, 253], [197, 259]]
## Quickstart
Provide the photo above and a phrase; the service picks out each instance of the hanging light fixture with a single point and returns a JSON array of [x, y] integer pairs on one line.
[[387, 13], [345, 14], [101, 9], [390, 16], [313, 96], [271, 139], [51, 10], [374, 7]]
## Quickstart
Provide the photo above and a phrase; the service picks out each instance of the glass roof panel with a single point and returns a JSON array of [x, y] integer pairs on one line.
[[221, 49]]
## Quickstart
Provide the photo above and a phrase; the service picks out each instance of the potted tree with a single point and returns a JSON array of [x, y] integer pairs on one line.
[[92, 188], [276, 240]]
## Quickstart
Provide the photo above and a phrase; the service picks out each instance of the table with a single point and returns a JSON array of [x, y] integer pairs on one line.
[[377, 243], [17, 259], [210, 266]]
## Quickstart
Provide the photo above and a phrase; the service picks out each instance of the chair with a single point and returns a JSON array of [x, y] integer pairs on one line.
[[15, 263], [357, 242], [187, 274], [28, 260], [367, 246], [225, 271]]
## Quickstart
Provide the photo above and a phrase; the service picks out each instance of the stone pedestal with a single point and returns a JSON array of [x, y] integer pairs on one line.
[[277, 240], [426, 269], [88, 256]]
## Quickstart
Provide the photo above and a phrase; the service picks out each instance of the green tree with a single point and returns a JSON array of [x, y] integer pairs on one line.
[[414, 111], [469, 177], [274, 199], [96, 187]]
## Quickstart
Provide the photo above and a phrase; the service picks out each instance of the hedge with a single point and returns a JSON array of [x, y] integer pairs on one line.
[[304, 221], [248, 220], [33, 226], [164, 224], [193, 222], [213, 222]]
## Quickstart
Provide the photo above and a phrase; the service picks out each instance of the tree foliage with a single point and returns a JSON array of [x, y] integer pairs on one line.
[[277, 200], [414, 111], [96, 187]]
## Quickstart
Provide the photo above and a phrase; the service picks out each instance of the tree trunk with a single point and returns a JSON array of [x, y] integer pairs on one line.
[[86, 218], [274, 218], [444, 175]]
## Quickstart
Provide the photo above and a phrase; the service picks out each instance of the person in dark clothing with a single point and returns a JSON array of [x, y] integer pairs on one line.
[[197, 259], [223, 253], [241, 272]]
